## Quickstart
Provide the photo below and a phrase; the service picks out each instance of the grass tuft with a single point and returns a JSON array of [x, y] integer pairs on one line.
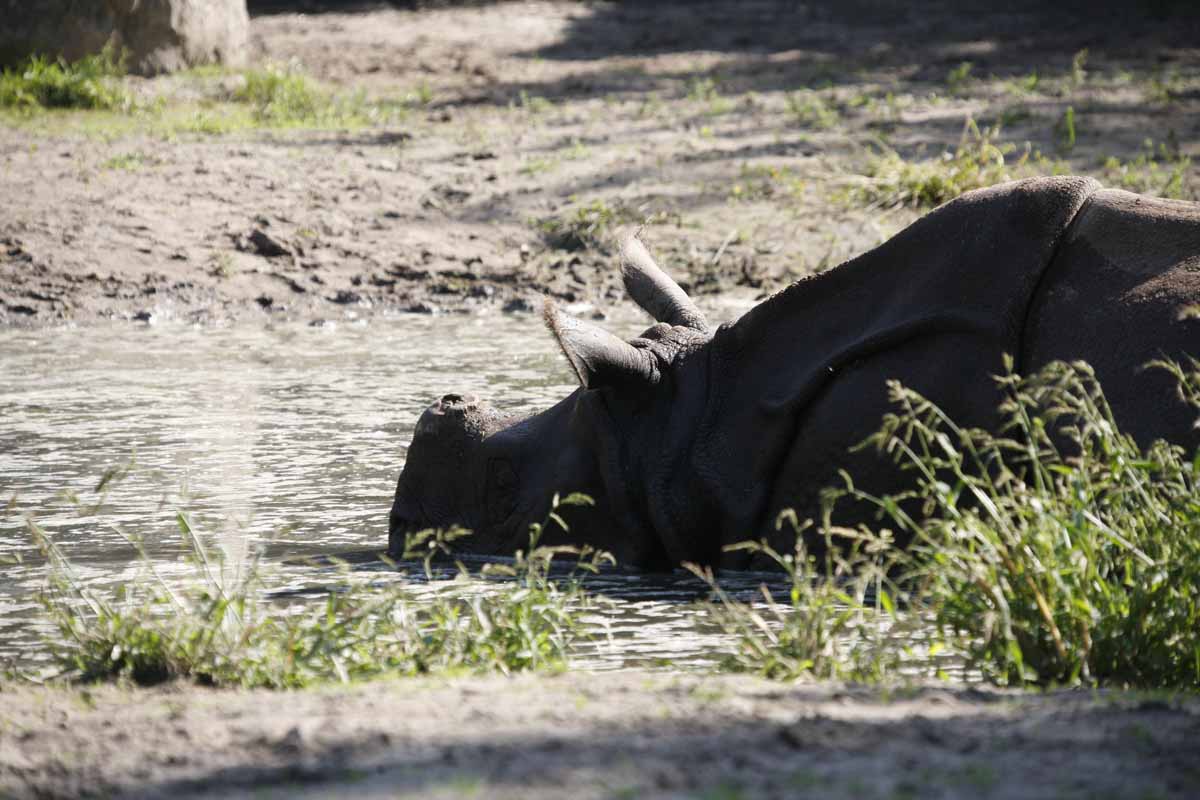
[[979, 160], [1159, 170], [828, 628], [812, 110], [959, 78], [1058, 552], [42, 83], [591, 226], [284, 96], [223, 628], [763, 182], [1054, 553]]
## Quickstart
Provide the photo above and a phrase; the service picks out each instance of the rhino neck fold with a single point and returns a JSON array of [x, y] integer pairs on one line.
[[969, 269]]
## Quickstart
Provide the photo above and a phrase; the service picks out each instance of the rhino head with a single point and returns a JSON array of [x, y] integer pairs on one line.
[[473, 466]]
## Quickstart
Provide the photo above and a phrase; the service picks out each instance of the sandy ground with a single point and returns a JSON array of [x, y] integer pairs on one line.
[[696, 117], [609, 735]]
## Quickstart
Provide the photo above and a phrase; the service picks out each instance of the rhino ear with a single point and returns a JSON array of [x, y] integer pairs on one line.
[[599, 358], [653, 289]]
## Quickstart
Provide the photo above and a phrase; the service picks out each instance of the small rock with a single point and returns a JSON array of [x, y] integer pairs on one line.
[[266, 301], [346, 297], [452, 194], [422, 307], [291, 743], [266, 245], [144, 316], [518, 305], [292, 283]]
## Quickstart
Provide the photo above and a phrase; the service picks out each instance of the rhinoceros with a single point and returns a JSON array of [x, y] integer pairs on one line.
[[690, 438]]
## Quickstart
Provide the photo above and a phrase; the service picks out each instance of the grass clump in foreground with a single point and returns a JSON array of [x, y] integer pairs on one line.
[[1058, 552], [41, 83], [829, 628], [1054, 553], [223, 629], [978, 161], [283, 96]]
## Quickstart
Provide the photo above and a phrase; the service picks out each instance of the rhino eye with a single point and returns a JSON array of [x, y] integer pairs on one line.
[[502, 485]]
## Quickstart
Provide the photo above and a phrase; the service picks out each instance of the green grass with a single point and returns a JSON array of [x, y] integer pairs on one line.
[[591, 225], [576, 151], [1027, 84], [1065, 129], [979, 160], [129, 162], [42, 83], [91, 101], [1055, 553], [1077, 75], [761, 182], [282, 97], [1159, 170], [827, 628], [959, 78], [812, 110], [708, 92], [1059, 552], [534, 104], [222, 628]]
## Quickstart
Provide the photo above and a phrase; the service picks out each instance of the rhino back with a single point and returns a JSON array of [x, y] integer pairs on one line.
[[1115, 296], [802, 378]]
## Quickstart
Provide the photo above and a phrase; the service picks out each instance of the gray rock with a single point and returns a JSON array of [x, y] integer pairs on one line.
[[158, 35]]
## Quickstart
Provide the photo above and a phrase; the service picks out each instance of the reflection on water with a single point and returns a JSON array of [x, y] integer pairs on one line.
[[292, 435]]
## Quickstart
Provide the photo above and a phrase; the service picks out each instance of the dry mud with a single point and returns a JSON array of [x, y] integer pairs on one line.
[[698, 117], [608, 735]]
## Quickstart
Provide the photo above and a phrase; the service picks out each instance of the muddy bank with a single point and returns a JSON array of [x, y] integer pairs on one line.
[[511, 141], [625, 734]]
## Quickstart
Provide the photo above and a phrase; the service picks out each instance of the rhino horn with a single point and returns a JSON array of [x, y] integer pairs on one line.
[[599, 358], [653, 289]]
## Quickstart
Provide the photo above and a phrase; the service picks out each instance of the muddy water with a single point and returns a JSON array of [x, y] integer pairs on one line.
[[290, 435]]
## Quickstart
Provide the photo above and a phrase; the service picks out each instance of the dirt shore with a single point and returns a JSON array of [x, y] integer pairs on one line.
[[608, 735], [735, 129]]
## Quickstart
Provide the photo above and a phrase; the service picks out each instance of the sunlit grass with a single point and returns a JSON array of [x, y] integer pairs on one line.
[[1158, 170], [221, 626], [592, 225], [828, 628], [269, 97], [1054, 553], [92, 82], [1058, 552], [979, 160]]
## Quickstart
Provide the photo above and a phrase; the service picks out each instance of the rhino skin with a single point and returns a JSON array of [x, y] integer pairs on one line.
[[690, 439]]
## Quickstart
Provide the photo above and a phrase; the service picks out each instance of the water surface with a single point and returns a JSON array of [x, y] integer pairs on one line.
[[286, 434]]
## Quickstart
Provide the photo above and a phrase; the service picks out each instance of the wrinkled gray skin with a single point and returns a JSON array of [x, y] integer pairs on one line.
[[690, 438]]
